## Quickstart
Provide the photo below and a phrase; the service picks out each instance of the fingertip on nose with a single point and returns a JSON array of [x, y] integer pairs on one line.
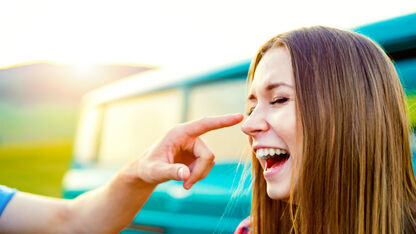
[[239, 117], [244, 128]]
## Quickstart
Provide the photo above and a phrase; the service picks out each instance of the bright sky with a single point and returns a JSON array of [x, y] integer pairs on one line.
[[167, 32]]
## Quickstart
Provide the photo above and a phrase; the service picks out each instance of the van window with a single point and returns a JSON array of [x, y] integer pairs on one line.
[[131, 126], [221, 98]]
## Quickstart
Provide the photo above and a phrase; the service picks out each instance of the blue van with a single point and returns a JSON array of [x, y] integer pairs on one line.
[[118, 122]]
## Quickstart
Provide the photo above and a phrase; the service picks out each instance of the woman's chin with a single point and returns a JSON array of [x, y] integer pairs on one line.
[[277, 193]]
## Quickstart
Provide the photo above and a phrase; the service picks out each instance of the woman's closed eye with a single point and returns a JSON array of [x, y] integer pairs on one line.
[[279, 100]]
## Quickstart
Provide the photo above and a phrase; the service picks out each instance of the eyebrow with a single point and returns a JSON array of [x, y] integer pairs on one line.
[[270, 87], [277, 85]]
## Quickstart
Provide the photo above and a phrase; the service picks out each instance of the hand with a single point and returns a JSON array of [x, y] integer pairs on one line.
[[181, 154]]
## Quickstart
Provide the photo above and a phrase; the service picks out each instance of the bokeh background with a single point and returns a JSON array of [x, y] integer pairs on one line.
[[53, 52]]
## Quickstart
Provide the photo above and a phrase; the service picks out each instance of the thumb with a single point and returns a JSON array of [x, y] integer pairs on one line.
[[176, 171]]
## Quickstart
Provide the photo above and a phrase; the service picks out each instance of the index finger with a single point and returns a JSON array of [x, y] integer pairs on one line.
[[198, 127]]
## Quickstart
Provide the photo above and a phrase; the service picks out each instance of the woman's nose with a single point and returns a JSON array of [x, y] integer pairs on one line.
[[254, 124]]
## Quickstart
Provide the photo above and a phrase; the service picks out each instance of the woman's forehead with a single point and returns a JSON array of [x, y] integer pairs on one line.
[[274, 70]]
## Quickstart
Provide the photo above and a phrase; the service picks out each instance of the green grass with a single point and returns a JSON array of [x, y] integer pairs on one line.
[[24, 122], [32, 158], [35, 167], [411, 104]]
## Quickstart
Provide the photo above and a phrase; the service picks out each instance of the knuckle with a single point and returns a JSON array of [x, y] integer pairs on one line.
[[203, 176], [204, 120], [152, 166], [210, 157], [175, 130]]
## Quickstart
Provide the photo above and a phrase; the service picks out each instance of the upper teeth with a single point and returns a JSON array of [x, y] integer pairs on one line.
[[269, 152]]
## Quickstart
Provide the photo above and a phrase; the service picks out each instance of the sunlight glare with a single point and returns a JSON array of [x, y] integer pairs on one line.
[[84, 68], [166, 33]]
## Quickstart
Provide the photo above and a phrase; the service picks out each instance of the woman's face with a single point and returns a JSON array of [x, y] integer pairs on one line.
[[271, 124]]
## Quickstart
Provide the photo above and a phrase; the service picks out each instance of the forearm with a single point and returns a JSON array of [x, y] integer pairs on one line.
[[104, 210], [110, 208], [29, 213]]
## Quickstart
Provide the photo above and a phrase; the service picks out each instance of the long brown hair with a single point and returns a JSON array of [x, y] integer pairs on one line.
[[355, 171]]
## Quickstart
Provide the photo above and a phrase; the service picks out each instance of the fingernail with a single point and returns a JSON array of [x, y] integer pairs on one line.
[[187, 186], [180, 173]]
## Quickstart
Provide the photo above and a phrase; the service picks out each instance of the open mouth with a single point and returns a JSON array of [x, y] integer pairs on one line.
[[273, 157]]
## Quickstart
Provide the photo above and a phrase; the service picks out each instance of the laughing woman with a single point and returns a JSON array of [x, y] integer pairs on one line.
[[330, 137]]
